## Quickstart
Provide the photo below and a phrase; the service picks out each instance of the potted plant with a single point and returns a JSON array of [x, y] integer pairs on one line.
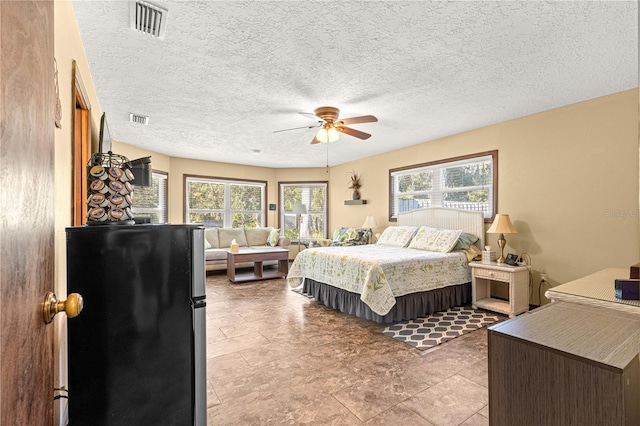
[[354, 184]]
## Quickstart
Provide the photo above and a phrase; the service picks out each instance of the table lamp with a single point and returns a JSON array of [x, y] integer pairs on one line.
[[299, 209], [501, 225], [370, 222]]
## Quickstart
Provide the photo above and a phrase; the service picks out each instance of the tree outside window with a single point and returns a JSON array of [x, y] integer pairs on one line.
[[314, 196], [221, 203]]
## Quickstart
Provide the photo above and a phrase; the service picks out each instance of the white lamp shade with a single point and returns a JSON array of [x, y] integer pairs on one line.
[[502, 225], [299, 209], [370, 222]]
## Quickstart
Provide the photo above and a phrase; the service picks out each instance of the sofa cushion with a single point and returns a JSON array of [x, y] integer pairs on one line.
[[215, 254], [211, 235], [225, 235], [257, 236]]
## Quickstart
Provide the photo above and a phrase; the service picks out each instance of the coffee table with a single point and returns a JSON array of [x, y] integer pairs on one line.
[[257, 256]]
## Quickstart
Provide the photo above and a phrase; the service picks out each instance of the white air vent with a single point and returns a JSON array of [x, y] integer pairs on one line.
[[148, 19], [138, 118]]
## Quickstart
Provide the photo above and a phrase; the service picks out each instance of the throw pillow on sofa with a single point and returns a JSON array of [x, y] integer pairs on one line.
[[211, 235], [257, 236], [273, 238]]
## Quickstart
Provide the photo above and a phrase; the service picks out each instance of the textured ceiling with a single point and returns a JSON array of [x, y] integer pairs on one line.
[[228, 73]]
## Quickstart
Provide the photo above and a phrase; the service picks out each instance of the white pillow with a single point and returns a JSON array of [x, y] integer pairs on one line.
[[397, 236], [257, 236], [432, 239], [211, 235]]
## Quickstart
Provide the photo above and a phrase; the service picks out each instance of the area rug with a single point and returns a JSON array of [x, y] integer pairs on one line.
[[440, 327]]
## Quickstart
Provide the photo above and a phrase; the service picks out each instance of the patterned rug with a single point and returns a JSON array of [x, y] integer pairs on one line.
[[440, 327]]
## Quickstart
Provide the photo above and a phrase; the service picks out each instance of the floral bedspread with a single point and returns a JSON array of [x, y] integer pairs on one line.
[[380, 273]]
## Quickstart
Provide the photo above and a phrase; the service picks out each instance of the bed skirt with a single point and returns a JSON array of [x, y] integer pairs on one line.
[[407, 307]]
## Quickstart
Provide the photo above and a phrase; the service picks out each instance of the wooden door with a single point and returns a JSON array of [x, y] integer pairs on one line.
[[27, 116]]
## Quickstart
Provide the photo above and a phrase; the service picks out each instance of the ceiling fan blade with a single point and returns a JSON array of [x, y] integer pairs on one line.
[[356, 120], [296, 128], [309, 115], [353, 132], [315, 141]]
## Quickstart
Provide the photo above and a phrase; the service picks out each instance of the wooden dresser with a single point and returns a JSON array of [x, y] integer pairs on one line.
[[565, 364]]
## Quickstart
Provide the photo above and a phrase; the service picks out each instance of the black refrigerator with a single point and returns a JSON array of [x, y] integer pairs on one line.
[[137, 352]]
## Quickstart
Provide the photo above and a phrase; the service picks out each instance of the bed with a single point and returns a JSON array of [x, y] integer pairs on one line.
[[389, 282]]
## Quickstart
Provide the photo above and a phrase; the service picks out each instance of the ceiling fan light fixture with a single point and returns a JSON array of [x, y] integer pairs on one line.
[[328, 134]]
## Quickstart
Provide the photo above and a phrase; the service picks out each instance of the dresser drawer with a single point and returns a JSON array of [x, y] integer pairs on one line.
[[491, 274]]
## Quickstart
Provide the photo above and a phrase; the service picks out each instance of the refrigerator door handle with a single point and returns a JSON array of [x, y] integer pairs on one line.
[[200, 365]]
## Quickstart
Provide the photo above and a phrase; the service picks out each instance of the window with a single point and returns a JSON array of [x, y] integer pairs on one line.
[[468, 183], [225, 203], [314, 196], [151, 201]]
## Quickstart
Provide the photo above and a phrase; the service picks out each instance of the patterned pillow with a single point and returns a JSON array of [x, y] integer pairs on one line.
[[351, 237], [465, 241], [323, 242], [397, 236], [342, 235], [440, 240], [273, 238]]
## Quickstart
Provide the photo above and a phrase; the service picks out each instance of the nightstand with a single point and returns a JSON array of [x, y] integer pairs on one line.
[[516, 276]]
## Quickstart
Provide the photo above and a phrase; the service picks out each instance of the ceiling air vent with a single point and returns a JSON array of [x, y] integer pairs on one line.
[[148, 19], [139, 118]]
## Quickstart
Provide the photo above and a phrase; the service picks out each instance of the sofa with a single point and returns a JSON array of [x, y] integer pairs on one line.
[[218, 241]]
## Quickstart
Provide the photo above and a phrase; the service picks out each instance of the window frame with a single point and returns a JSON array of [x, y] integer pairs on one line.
[[442, 164], [227, 213], [309, 184], [154, 174]]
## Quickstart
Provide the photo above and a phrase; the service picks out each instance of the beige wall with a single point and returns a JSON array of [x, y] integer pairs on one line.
[[178, 167], [68, 47], [567, 177]]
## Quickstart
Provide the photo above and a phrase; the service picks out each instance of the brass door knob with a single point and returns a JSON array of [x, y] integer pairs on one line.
[[72, 306]]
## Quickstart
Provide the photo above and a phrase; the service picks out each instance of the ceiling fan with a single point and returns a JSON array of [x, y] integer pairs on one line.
[[327, 119]]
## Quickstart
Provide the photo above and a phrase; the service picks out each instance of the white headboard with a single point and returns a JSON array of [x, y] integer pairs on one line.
[[440, 217]]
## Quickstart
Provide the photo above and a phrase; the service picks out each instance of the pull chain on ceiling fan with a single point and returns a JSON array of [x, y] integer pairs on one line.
[[331, 126]]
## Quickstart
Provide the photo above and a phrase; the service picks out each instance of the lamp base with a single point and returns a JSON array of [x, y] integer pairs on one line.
[[501, 243]]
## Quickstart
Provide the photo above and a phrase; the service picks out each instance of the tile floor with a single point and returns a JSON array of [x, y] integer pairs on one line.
[[276, 357]]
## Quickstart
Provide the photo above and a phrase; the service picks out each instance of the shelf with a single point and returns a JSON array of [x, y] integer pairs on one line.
[[492, 304], [354, 202], [262, 275]]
